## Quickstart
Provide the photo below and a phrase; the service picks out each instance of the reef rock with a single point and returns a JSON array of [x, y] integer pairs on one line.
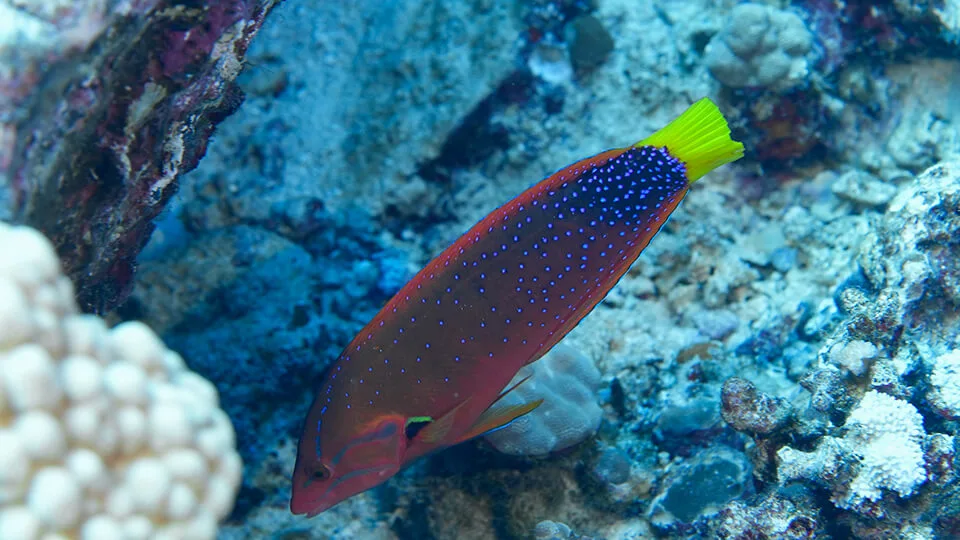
[[103, 106]]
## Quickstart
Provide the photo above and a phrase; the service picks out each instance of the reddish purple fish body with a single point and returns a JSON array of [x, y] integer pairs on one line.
[[497, 299], [423, 373]]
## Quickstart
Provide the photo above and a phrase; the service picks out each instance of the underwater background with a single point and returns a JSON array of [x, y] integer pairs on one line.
[[254, 179]]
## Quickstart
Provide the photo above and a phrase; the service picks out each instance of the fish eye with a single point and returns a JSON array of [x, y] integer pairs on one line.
[[321, 473]]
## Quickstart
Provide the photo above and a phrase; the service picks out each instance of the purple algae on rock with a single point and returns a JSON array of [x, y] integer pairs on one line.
[[130, 93]]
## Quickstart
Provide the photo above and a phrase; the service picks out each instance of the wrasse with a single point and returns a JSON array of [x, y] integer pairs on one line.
[[423, 373]]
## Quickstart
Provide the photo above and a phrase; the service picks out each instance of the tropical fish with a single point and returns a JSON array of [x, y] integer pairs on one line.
[[423, 373]]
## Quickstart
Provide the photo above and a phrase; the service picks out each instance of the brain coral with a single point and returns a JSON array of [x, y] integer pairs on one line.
[[104, 434], [568, 382], [760, 46]]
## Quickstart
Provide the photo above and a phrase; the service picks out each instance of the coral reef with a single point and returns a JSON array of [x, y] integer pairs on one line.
[[915, 252], [104, 106], [883, 449], [781, 362], [103, 433], [567, 381]]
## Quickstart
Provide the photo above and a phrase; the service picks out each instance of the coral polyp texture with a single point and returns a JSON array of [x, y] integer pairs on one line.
[[884, 446], [761, 46], [104, 433], [567, 381], [103, 106]]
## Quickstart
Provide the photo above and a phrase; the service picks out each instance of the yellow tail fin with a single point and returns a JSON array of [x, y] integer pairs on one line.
[[700, 138]]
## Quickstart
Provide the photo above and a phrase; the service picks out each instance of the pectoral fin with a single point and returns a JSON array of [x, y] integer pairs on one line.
[[493, 420], [437, 430]]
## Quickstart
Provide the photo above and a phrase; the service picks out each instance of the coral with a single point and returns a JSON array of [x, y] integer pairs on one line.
[[105, 106], [887, 433], [103, 433], [854, 356], [915, 252], [760, 46], [568, 381], [773, 517], [881, 452], [944, 393]]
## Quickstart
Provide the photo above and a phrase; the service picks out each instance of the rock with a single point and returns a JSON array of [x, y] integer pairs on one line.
[[612, 466], [863, 188], [568, 382], [701, 487], [751, 411], [589, 42], [104, 107]]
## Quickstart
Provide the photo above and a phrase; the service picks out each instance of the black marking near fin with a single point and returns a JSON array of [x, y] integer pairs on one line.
[[415, 425]]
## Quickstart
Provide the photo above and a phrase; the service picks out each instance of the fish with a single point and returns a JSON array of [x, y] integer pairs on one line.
[[422, 375]]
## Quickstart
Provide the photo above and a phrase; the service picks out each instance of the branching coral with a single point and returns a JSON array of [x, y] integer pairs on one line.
[[882, 451]]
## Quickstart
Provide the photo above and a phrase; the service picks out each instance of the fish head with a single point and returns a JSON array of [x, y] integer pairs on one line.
[[335, 464]]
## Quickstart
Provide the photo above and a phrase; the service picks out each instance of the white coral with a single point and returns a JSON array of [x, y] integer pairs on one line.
[[945, 383], [885, 438], [103, 433], [887, 435]]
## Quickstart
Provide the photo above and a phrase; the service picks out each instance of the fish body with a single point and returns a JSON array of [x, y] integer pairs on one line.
[[422, 374]]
